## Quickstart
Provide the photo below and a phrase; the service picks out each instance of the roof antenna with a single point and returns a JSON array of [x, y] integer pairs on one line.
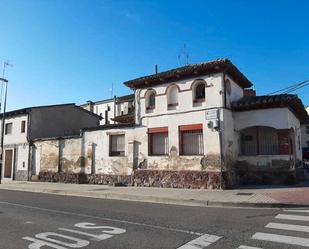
[[5, 65], [183, 56], [112, 90]]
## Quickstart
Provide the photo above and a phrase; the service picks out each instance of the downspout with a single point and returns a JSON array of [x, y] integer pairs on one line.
[[30, 146], [114, 107], [220, 130]]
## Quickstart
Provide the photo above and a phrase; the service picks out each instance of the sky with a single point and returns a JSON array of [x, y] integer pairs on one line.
[[71, 51]]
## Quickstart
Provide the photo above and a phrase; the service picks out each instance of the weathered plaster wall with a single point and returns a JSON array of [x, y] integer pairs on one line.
[[96, 152]]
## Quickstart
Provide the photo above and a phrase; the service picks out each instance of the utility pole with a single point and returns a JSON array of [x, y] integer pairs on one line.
[[4, 84]]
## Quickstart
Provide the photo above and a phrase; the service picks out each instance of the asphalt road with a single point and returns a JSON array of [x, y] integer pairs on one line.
[[33, 220]]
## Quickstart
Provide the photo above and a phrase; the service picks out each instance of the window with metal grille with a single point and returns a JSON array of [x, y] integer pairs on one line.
[[8, 128], [116, 145], [158, 144], [191, 140], [261, 140]]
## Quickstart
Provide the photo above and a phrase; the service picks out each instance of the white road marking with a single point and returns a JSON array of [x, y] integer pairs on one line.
[[37, 244], [200, 242], [289, 227], [248, 247], [282, 239], [297, 210], [292, 217], [95, 237], [102, 218], [77, 243]]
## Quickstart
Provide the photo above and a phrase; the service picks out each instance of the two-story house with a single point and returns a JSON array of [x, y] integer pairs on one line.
[[25, 125], [198, 126]]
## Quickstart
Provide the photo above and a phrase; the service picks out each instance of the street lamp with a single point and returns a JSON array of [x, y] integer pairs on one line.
[[5, 82]]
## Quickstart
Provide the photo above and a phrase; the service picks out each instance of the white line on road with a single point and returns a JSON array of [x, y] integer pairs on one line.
[[200, 242], [248, 247], [292, 217], [101, 218], [282, 239], [289, 227], [297, 210]]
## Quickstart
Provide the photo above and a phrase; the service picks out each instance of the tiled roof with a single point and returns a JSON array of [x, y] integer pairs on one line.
[[193, 70], [272, 101]]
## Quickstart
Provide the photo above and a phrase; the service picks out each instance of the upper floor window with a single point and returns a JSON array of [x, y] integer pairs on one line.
[[172, 96], [23, 126], [150, 100], [199, 90], [8, 128]]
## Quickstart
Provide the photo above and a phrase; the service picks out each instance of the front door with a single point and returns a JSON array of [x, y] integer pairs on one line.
[[8, 163]]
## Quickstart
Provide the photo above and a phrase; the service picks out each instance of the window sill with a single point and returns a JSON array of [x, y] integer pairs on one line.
[[154, 155], [199, 100]]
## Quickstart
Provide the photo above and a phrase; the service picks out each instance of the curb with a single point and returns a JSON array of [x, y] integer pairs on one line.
[[163, 200]]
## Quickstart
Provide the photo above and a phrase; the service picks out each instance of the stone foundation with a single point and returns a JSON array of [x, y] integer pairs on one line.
[[81, 178], [21, 175], [141, 178], [176, 179]]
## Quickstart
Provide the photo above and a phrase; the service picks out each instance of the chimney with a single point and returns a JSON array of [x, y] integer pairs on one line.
[[249, 92], [156, 68], [90, 105]]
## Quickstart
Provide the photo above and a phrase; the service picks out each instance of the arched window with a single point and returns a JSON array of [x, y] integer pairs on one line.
[[172, 96], [150, 100], [199, 91]]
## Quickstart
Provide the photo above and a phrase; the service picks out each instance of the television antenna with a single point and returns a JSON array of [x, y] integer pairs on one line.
[[183, 56]]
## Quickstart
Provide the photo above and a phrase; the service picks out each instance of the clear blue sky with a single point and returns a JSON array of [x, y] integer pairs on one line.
[[72, 51]]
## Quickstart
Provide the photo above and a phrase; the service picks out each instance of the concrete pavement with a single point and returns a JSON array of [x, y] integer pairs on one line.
[[247, 197]]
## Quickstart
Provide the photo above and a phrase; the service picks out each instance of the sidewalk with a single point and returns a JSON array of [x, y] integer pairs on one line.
[[271, 197]]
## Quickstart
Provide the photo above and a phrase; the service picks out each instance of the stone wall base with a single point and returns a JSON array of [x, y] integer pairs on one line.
[[81, 178], [141, 178], [177, 179]]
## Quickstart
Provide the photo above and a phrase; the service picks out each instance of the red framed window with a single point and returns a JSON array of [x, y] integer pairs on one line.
[[158, 141], [191, 139]]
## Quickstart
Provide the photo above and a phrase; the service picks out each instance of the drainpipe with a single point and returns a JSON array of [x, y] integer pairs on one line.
[[220, 130], [114, 107], [29, 145]]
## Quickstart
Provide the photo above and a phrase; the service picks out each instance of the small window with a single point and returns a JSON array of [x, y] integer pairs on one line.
[[172, 96], [199, 91], [8, 128], [150, 100], [158, 141], [307, 129], [307, 143], [191, 140], [23, 126], [116, 145]]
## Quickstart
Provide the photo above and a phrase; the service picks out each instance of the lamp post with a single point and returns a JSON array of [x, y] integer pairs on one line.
[[5, 82]]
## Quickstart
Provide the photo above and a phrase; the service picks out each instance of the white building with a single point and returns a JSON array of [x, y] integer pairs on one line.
[[198, 126], [23, 126], [109, 109]]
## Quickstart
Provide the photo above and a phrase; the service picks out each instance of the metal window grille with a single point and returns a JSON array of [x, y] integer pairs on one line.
[[192, 142]]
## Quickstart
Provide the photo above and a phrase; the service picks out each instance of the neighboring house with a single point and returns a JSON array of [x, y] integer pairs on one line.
[[24, 126], [112, 110], [198, 126], [305, 132]]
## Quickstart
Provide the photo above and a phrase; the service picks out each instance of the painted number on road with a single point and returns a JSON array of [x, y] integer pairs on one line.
[[60, 241]]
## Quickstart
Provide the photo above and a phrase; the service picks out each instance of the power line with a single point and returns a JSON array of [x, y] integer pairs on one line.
[[291, 88]]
